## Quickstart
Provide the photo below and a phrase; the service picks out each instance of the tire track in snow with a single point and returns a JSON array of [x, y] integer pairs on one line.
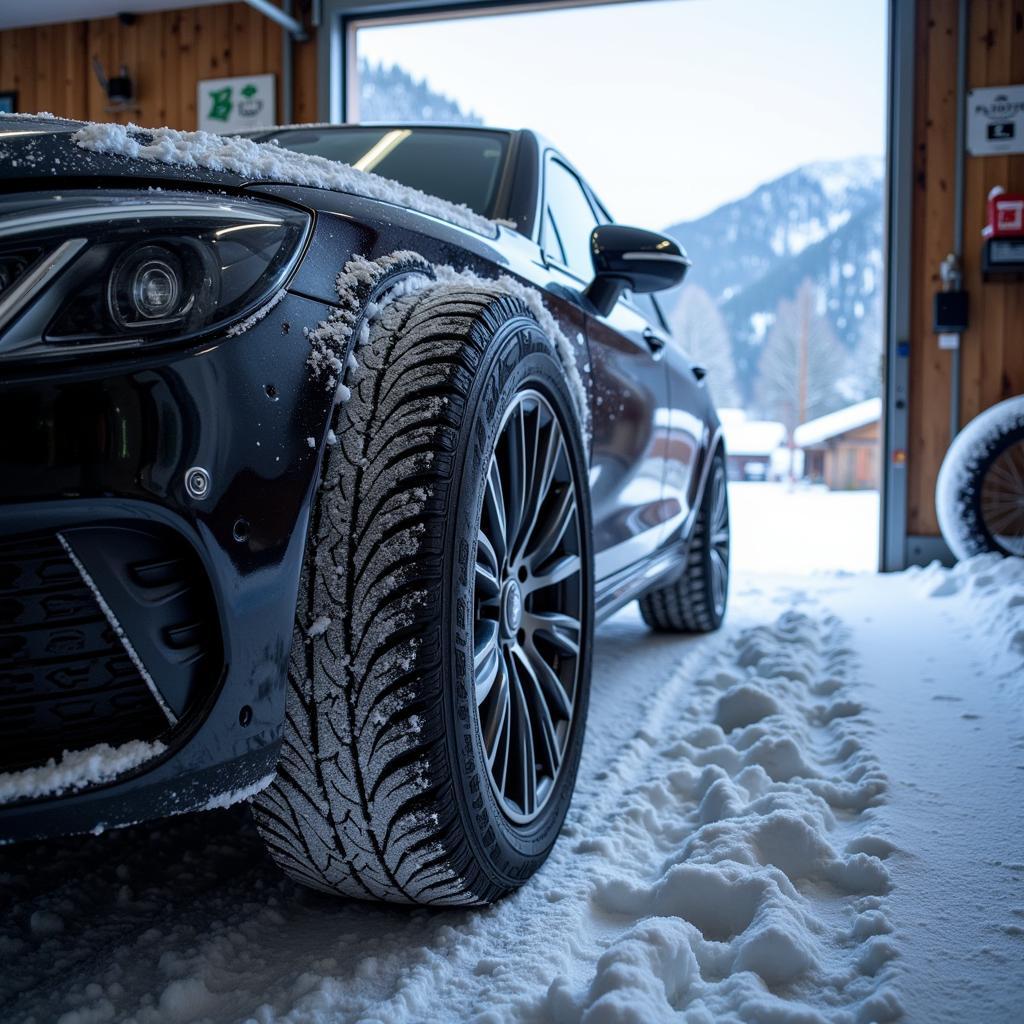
[[740, 875]]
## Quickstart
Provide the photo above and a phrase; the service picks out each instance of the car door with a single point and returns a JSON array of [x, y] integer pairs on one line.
[[684, 417], [629, 398]]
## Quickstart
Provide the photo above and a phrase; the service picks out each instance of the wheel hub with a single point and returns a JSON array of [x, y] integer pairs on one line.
[[511, 608]]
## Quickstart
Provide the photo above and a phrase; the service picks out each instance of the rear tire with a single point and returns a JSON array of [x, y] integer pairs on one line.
[[696, 602], [384, 788]]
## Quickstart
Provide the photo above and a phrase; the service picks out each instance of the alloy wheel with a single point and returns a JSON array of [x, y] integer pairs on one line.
[[1002, 499], [719, 540], [528, 600]]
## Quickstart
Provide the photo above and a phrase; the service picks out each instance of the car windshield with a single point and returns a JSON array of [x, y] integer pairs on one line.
[[460, 165]]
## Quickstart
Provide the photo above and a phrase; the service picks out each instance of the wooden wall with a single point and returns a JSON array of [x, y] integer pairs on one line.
[[166, 53], [992, 351]]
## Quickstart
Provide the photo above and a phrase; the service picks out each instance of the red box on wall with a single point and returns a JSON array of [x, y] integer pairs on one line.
[[1005, 216]]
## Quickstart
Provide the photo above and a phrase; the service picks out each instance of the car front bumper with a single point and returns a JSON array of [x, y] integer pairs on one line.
[[94, 457]]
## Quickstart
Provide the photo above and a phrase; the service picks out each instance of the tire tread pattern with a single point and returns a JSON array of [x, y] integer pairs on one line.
[[686, 605], [363, 803]]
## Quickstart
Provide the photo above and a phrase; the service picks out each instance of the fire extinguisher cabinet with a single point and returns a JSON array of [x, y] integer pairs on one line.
[[1003, 252]]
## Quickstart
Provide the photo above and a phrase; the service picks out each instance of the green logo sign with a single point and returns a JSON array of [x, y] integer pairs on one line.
[[221, 103]]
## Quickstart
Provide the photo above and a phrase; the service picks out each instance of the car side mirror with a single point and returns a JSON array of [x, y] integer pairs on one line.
[[633, 258]]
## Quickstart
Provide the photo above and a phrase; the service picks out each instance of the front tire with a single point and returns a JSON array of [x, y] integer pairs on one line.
[[696, 602], [410, 644], [979, 495]]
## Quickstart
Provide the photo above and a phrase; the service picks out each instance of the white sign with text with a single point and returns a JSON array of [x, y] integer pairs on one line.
[[995, 120], [228, 105]]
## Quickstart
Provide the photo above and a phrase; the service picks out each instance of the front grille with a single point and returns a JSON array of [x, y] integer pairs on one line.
[[66, 681]]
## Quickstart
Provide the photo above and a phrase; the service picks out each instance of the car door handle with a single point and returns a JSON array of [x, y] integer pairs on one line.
[[655, 342]]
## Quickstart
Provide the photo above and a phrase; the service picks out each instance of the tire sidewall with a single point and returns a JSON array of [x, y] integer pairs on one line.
[[518, 356]]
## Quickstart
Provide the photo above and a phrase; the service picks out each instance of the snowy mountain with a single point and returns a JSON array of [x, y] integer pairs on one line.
[[821, 222], [392, 94]]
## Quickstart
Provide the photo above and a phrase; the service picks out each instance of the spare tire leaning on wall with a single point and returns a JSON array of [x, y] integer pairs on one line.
[[980, 491]]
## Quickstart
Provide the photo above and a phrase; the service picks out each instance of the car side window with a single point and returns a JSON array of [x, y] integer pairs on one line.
[[552, 243], [567, 206], [646, 304]]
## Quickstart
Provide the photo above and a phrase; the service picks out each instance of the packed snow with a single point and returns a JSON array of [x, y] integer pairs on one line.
[[76, 769], [267, 161], [254, 318], [802, 528], [809, 816]]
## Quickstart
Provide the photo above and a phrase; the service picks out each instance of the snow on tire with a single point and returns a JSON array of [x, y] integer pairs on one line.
[[979, 495], [383, 788]]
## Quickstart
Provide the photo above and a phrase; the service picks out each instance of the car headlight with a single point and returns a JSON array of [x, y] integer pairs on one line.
[[109, 269]]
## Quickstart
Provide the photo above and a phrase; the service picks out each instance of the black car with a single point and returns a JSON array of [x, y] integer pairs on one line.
[[315, 488]]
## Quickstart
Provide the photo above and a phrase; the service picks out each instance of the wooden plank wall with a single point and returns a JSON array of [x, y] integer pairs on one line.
[[166, 53], [992, 351]]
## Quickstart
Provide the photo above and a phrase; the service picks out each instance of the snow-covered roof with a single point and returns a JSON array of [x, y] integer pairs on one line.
[[750, 437], [267, 161], [842, 421]]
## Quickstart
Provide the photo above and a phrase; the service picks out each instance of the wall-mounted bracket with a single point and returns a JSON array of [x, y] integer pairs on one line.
[[288, 22]]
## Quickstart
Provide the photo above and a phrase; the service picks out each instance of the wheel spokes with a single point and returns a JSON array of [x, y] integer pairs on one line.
[[487, 568], [497, 721], [549, 533], [557, 572], [527, 757], [547, 455], [563, 631], [549, 686], [486, 658], [1002, 499], [535, 697], [528, 598], [494, 506], [517, 473]]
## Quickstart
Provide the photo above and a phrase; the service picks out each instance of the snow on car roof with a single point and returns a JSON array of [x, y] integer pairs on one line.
[[839, 422], [268, 161]]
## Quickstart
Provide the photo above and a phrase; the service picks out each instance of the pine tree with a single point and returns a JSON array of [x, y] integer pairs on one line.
[[802, 363], [701, 332], [864, 366]]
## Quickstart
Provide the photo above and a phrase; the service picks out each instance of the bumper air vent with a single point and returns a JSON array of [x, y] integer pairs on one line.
[[108, 633]]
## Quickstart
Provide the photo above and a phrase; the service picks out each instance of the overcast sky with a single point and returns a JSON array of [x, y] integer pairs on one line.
[[669, 108]]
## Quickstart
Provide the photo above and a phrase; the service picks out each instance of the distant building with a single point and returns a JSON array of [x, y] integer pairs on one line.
[[750, 444], [843, 449]]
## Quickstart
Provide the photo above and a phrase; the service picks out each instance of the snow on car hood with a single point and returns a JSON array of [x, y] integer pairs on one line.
[[267, 161]]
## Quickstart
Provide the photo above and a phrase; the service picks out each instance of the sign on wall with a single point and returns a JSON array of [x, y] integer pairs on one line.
[[227, 105], [995, 120]]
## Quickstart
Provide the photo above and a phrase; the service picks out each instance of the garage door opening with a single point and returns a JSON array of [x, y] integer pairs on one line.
[[753, 133]]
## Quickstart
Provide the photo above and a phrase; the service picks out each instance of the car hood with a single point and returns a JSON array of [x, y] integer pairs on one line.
[[40, 147], [60, 151]]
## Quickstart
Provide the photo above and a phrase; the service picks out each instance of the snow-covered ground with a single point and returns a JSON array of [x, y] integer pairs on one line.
[[800, 528], [812, 815]]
